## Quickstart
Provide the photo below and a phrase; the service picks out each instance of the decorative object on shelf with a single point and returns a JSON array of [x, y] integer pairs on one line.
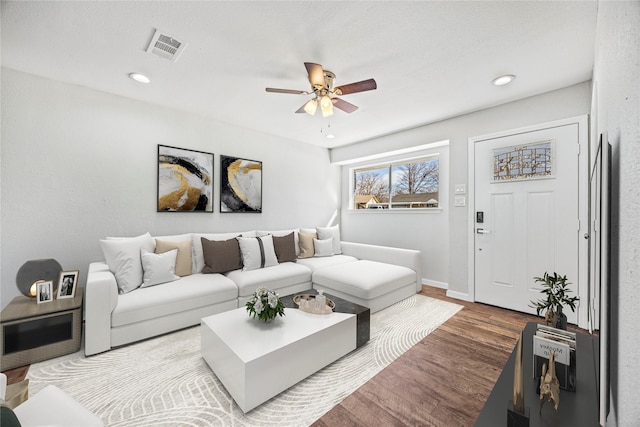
[[240, 185], [37, 270], [560, 343], [549, 385], [265, 304], [44, 291], [556, 289], [313, 304], [517, 414], [67, 284], [185, 180]]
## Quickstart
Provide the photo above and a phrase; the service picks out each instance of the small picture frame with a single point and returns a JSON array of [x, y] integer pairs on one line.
[[44, 291], [67, 284]]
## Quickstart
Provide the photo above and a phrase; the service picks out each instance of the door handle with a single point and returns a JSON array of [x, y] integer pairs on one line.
[[482, 231]]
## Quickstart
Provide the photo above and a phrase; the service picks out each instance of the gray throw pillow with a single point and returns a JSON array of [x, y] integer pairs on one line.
[[221, 256], [285, 247]]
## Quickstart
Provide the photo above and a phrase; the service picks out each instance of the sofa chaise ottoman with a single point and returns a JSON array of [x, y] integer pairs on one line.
[[189, 281]]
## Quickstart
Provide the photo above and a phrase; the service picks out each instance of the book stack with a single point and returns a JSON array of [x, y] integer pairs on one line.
[[563, 344]]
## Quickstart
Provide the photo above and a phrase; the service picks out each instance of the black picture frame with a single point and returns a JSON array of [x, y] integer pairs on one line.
[[185, 180], [240, 185]]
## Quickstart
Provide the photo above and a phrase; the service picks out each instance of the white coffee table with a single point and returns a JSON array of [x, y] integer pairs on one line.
[[256, 361]]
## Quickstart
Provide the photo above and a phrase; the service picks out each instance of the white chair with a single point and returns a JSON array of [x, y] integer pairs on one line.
[[51, 407]]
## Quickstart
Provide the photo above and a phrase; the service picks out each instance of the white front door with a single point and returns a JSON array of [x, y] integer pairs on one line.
[[526, 186]]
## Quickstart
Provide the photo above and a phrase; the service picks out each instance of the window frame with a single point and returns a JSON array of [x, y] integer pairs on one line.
[[389, 164]]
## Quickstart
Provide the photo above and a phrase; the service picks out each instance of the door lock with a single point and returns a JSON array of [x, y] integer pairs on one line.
[[482, 231]]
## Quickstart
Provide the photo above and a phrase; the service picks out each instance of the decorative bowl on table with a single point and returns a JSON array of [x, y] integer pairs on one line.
[[308, 303]]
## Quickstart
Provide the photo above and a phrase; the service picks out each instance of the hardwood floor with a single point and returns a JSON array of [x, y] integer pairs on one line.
[[442, 381]]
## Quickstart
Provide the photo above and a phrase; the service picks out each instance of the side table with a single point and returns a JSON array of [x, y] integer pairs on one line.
[[33, 332]]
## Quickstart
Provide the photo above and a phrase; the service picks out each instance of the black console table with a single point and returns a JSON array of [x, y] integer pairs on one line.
[[578, 408]]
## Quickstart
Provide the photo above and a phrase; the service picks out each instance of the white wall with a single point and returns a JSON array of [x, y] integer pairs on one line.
[[617, 111], [563, 103], [78, 165], [426, 231]]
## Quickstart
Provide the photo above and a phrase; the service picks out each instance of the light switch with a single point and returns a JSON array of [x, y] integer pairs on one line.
[[460, 201], [461, 189]]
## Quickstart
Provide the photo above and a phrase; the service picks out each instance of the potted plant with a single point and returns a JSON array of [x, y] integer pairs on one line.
[[555, 288], [265, 304]]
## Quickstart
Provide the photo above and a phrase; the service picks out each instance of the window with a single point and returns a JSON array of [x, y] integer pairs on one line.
[[399, 185]]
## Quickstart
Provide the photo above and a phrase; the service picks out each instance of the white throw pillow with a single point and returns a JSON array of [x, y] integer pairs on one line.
[[158, 268], [331, 232], [323, 247], [123, 258], [257, 252]]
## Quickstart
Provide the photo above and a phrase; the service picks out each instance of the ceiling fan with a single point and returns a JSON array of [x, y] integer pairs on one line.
[[325, 94]]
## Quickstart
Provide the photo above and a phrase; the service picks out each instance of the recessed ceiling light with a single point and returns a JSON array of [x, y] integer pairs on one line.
[[503, 80], [330, 136], [140, 78]]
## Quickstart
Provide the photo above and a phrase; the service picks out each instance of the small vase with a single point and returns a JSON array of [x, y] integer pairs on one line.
[[561, 321], [268, 319]]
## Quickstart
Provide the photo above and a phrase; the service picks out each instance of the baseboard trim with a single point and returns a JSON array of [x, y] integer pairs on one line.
[[435, 284], [459, 295]]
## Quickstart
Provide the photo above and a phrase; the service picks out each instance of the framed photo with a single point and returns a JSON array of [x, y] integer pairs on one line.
[[185, 180], [44, 291], [240, 185], [67, 284]]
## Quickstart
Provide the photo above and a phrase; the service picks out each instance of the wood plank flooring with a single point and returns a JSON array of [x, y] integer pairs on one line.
[[442, 381]]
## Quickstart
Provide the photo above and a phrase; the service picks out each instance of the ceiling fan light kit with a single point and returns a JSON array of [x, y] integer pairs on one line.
[[326, 105], [322, 87], [311, 106]]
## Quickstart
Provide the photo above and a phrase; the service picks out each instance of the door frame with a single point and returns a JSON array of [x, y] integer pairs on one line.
[[583, 208]]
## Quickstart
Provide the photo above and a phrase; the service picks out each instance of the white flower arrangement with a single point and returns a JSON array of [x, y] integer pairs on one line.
[[265, 304]]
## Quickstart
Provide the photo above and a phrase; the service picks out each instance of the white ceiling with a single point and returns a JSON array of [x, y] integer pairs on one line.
[[431, 60]]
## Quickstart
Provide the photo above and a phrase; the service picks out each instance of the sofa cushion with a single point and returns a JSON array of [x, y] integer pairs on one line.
[[196, 248], [221, 256], [183, 259], [123, 258], [306, 244], [190, 292], [285, 247], [282, 233], [364, 279], [158, 268], [257, 252], [323, 247], [328, 233], [316, 263], [274, 278]]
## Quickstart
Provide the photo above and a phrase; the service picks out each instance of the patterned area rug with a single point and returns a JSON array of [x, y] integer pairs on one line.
[[165, 382]]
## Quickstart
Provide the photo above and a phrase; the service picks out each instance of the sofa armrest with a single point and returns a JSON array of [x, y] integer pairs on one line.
[[100, 298], [404, 257]]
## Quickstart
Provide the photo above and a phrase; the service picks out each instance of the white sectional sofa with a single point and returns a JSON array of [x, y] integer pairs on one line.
[[118, 313]]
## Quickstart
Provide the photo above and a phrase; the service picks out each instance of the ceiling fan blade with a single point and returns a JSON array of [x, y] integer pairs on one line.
[[345, 106], [316, 75], [291, 91], [301, 109], [362, 86]]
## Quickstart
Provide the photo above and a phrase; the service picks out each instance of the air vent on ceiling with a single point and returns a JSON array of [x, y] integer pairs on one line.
[[165, 46]]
